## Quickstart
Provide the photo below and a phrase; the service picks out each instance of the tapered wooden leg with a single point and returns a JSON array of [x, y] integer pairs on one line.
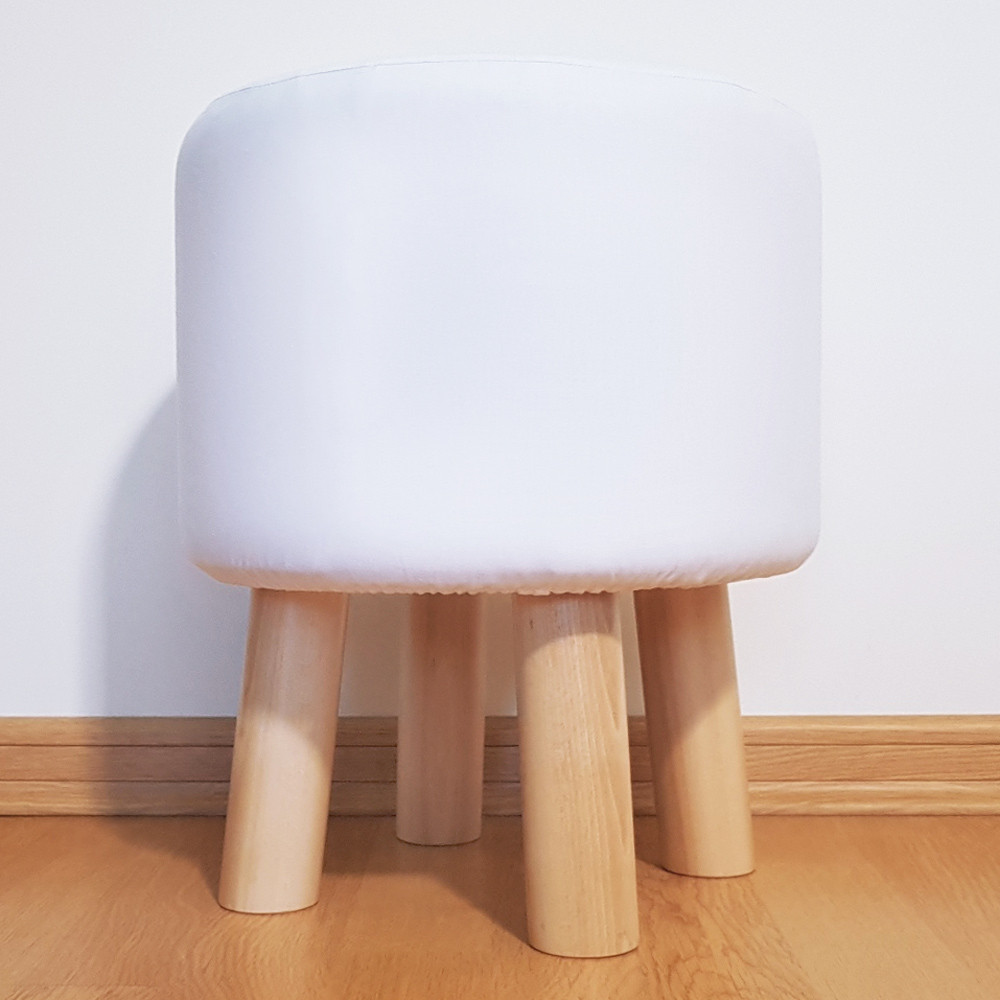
[[439, 781], [579, 851], [695, 731], [279, 797]]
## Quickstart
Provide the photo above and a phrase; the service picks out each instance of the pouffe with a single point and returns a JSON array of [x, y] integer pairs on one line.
[[490, 325]]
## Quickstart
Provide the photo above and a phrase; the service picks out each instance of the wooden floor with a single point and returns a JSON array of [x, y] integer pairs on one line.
[[840, 907]]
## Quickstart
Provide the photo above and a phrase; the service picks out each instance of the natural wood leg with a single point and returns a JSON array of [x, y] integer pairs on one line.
[[695, 731], [439, 783], [579, 851], [279, 796]]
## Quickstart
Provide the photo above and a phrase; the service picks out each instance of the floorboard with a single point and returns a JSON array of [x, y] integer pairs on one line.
[[839, 908]]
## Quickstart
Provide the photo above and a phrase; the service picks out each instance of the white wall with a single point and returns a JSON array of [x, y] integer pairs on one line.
[[898, 611]]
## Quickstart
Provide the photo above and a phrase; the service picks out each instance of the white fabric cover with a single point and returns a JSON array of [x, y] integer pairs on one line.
[[498, 325]]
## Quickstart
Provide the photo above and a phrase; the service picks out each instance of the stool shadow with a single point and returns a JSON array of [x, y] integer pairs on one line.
[[169, 637], [488, 873]]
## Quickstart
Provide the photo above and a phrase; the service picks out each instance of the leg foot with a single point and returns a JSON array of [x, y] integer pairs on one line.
[[577, 797], [695, 731], [279, 797], [439, 784]]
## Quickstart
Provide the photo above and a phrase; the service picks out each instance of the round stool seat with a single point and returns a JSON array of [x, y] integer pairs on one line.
[[491, 325]]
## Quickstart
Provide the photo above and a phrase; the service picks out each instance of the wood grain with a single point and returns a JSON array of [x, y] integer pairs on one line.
[[695, 731], [869, 730], [888, 798], [578, 844], [906, 765], [372, 798], [142, 730], [894, 762], [895, 925], [501, 730], [279, 796], [439, 783], [839, 908]]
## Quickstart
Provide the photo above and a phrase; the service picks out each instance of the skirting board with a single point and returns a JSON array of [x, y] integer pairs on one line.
[[808, 765]]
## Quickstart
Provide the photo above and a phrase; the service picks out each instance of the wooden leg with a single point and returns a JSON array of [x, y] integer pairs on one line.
[[577, 797], [439, 783], [279, 796], [695, 731]]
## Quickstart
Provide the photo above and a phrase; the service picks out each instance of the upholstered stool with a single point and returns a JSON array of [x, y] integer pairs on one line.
[[457, 327]]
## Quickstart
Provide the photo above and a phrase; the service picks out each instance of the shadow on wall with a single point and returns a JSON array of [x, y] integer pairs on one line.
[[172, 638]]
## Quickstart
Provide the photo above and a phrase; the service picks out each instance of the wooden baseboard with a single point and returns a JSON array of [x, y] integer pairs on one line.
[[805, 765]]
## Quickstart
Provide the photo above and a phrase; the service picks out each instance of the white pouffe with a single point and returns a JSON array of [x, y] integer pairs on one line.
[[454, 327]]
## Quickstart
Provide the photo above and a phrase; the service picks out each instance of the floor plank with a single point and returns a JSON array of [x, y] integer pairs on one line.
[[839, 908]]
